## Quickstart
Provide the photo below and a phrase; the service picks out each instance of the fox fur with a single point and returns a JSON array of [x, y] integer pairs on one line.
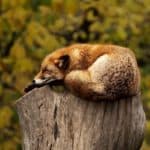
[[95, 72]]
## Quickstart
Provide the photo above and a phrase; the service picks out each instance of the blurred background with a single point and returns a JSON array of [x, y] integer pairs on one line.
[[30, 29]]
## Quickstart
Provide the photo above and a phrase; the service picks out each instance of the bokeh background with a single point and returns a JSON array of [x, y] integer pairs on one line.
[[30, 29]]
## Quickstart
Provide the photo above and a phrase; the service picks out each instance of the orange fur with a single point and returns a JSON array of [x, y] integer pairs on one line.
[[93, 71]]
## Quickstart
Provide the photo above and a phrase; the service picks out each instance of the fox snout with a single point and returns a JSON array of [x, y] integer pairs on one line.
[[37, 83], [47, 78], [39, 79]]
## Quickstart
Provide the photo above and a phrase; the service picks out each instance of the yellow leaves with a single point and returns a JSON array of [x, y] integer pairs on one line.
[[1, 29], [37, 35], [11, 4], [91, 16], [59, 23], [121, 33], [95, 27], [9, 145], [23, 65], [44, 10], [146, 81], [5, 116], [148, 132], [71, 6], [1, 90], [6, 77], [50, 43], [146, 90], [31, 33], [57, 5], [23, 69], [145, 146], [17, 17], [80, 34], [22, 81], [65, 6], [17, 51]]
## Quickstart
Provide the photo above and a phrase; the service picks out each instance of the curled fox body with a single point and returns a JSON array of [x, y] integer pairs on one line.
[[92, 71]]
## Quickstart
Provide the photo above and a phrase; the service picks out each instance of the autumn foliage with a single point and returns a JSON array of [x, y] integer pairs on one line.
[[30, 29]]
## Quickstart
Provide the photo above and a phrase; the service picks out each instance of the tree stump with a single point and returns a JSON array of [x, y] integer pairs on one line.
[[61, 121]]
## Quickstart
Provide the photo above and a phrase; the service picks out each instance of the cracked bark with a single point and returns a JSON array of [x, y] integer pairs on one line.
[[61, 121]]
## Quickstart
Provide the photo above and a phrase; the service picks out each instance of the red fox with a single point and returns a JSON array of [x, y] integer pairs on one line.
[[96, 72]]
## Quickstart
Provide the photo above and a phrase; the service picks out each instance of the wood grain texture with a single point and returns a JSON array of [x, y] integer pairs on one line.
[[61, 121]]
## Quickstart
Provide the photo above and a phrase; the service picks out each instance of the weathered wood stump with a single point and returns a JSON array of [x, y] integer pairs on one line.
[[61, 121]]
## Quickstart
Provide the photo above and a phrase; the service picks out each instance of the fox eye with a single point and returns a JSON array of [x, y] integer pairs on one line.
[[45, 70]]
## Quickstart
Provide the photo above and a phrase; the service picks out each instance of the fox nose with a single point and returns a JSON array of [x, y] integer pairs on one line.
[[33, 81]]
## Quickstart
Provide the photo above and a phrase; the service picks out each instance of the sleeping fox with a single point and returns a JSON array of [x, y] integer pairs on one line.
[[95, 72]]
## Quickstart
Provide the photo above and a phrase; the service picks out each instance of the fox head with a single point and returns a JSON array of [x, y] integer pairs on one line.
[[53, 68]]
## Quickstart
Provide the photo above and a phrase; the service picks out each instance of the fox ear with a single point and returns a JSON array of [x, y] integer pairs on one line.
[[63, 62]]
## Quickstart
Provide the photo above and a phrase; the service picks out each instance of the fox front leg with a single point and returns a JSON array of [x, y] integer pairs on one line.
[[80, 83]]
